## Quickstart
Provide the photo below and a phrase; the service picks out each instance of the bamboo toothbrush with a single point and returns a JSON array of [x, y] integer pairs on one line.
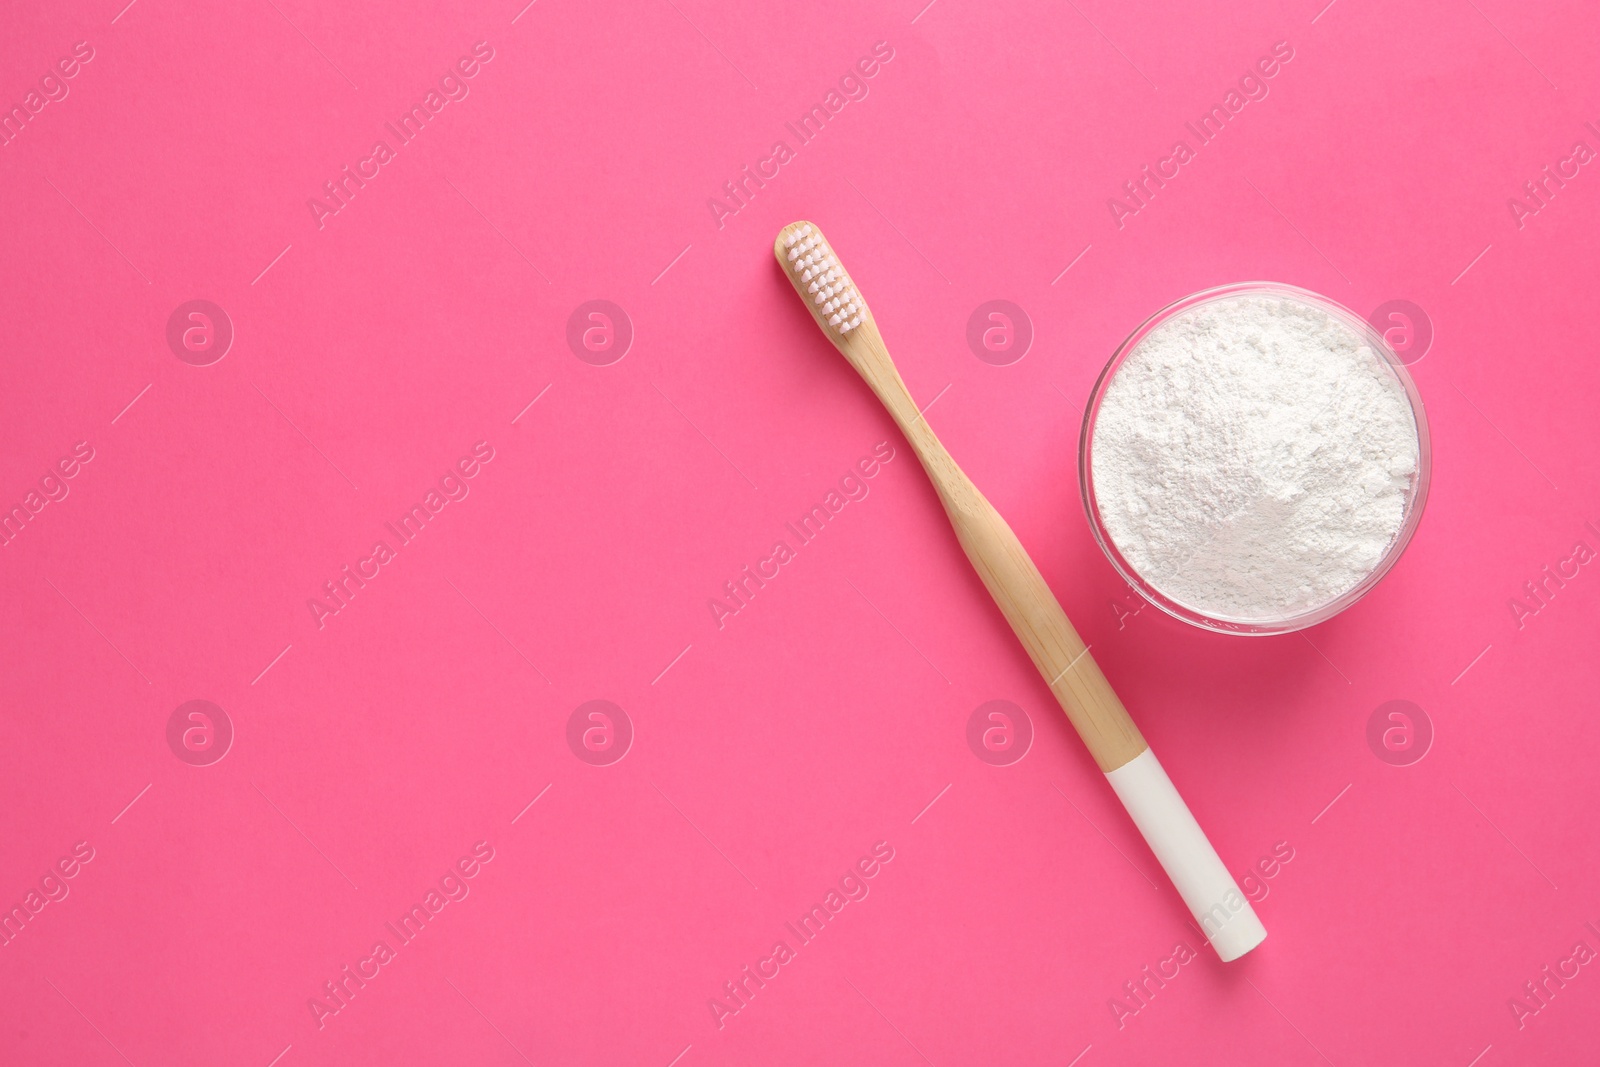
[[1224, 915]]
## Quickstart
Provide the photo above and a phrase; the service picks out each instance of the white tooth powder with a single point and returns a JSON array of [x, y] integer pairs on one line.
[[1253, 459]]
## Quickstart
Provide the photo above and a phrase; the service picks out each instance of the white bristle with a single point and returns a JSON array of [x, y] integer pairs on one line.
[[824, 279]]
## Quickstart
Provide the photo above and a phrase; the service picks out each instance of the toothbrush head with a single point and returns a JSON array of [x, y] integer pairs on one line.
[[821, 281]]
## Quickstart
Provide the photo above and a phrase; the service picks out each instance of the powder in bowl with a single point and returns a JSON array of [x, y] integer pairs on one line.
[[1253, 458]]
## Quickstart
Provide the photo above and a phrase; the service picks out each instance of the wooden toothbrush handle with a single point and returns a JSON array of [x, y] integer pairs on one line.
[[1009, 573], [1222, 913], [1042, 626]]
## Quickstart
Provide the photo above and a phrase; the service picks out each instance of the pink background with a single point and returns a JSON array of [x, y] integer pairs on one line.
[[769, 755]]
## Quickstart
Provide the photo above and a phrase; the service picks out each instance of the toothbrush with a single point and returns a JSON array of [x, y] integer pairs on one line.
[[1224, 915]]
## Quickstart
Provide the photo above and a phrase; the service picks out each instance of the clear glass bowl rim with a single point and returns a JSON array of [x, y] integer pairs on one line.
[[1256, 627]]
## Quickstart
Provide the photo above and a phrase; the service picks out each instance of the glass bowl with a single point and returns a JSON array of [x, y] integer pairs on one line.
[[1416, 497]]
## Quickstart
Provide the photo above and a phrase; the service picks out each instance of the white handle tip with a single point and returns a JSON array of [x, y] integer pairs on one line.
[[1225, 917]]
